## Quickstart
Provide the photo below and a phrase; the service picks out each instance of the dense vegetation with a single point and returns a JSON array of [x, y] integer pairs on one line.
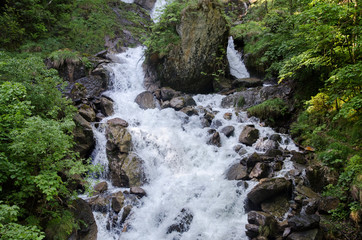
[[316, 44]]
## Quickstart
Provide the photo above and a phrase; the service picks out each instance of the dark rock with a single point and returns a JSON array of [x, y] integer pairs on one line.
[[304, 222], [117, 201], [237, 172], [237, 148], [205, 123], [189, 111], [306, 191], [272, 152], [146, 100], [249, 135], [278, 165], [187, 67], [228, 131], [247, 82], [99, 203], [268, 189], [100, 117], [106, 106], [138, 191], [183, 222], [252, 160], [216, 123], [327, 204], [146, 4], [214, 140], [277, 206], [268, 226], [320, 176], [126, 211], [166, 104], [310, 206], [260, 170], [168, 93], [87, 113], [276, 137], [298, 157], [252, 230], [83, 136], [101, 187], [87, 228], [312, 234]]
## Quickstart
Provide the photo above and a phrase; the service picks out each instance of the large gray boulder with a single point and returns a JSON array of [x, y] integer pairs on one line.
[[146, 100], [249, 135], [268, 189]]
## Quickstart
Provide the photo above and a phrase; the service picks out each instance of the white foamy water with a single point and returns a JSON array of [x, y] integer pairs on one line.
[[128, 1], [183, 171], [236, 62]]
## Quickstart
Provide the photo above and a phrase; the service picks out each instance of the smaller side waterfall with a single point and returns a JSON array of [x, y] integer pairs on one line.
[[237, 66]]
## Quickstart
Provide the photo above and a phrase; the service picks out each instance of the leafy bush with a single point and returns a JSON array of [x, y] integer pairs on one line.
[[271, 110]]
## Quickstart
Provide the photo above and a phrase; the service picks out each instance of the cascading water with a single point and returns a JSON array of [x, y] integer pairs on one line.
[[236, 63], [183, 171]]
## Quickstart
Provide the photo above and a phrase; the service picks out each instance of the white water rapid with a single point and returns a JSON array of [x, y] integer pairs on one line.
[[182, 170], [236, 63]]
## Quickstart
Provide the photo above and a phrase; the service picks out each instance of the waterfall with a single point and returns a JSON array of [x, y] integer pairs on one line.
[[236, 63], [183, 171]]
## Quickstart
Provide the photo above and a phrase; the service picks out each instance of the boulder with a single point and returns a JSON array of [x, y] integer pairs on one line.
[[268, 189], [327, 204], [87, 113], [267, 225], [118, 138], [277, 206], [126, 211], [106, 106], [83, 136], [304, 222], [214, 140], [249, 135], [133, 168], [182, 222], [203, 32], [228, 116], [247, 82], [99, 203], [100, 187], [168, 93], [298, 157], [87, 228], [138, 191], [146, 4], [228, 131], [146, 100], [320, 176], [276, 137], [237, 172], [260, 170], [117, 201], [272, 152], [252, 160], [189, 111]]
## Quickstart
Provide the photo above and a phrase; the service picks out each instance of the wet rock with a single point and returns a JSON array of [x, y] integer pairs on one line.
[[277, 206], [146, 4], [306, 191], [106, 106], [310, 206], [100, 117], [298, 157], [99, 203], [83, 214], [126, 211], [189, 111], [118, 138], [268, 226], [304, 222], [83, 136], [252, 230], [205, 123], [228, 116], [265, 145], [252, 160], [117, 201], [183, 222], [228, 131], [237, 148], [268, 189], [138, 191], [165, 104], [216, 123], [278, 165], [87, 113], [168, 93], [146, 100], [249, 135], [327, 204], [180, 102], [312, 234], [237, 172], [260, 170], [247, 82], [215, 140], [273, 152], [276, 137], [133, 168], [101, 187]]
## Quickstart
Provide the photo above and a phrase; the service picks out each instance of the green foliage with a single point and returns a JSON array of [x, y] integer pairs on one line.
[[241, 102], [271, 110], [37, 159]]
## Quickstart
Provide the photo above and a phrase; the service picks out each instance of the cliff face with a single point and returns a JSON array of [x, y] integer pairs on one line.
[[190, 65]]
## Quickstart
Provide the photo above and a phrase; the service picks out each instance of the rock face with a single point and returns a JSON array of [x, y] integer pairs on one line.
[[83, 136], [189, 66], [83, 214]]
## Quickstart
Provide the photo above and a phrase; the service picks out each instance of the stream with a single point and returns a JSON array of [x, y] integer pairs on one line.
[[183, 172]]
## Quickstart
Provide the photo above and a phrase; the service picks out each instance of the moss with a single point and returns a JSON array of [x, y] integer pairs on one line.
[[270, 110]]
